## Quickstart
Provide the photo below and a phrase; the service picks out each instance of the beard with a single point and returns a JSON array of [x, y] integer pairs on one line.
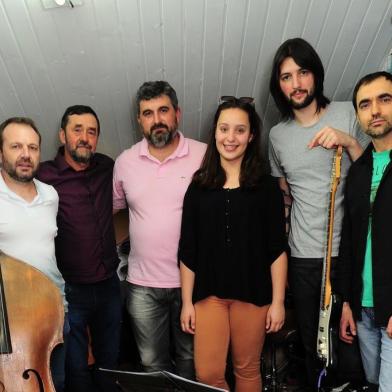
[[303, 104], [77, 155], [162, 138], [11, 170], [378, 134]]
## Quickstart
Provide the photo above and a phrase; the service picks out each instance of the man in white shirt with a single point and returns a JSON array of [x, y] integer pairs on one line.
[[28, 210]]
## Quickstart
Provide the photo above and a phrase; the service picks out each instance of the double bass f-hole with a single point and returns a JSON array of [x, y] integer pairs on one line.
[[31, 325], [26, 376]]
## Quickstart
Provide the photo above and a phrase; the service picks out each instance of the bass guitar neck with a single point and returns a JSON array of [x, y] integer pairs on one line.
[[328, 302]]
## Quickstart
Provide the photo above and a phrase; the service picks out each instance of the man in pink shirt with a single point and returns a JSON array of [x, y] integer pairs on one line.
[[151, 179]]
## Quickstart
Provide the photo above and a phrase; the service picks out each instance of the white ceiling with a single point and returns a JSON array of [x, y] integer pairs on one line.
[[100, 52]]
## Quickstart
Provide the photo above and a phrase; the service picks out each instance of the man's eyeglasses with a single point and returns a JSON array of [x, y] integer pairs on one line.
[[232, 98]]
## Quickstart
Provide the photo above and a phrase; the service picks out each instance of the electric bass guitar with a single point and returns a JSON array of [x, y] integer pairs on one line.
[[329, 308]]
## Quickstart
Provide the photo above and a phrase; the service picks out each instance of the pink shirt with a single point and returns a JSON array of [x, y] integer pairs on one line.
[[154, 193]]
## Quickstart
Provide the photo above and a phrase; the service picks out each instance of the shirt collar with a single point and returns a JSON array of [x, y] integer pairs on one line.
[[181, 150], [12, 195]]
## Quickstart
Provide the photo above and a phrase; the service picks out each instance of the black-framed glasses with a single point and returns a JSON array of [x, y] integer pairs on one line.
[[232, 98]]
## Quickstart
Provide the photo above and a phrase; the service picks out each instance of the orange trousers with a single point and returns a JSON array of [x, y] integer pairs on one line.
[[223, 321]]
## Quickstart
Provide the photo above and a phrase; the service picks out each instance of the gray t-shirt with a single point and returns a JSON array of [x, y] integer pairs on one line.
[[308, 172]]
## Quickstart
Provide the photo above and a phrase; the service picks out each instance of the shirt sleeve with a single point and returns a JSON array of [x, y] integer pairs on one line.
[[187, 251], [277, 242], [119, 199], [276, 169]]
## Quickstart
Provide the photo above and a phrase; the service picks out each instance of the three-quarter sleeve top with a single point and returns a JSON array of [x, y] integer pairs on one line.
[[230, 238]]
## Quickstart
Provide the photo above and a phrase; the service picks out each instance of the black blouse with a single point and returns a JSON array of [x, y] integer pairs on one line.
[[230, 238]]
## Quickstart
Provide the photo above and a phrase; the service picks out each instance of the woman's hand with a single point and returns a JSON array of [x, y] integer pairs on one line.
[[276, 311], [275, 317], [188, 318]]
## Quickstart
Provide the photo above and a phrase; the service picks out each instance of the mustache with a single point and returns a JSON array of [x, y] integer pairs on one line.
[[378, 118], [159, 125], [298, 90], [24, 160], [83, 144]]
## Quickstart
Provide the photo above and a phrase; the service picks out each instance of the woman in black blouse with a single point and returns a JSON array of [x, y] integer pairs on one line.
[[232, 251]]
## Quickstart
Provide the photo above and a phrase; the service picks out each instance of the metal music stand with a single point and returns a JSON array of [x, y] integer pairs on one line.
[[160, 381]]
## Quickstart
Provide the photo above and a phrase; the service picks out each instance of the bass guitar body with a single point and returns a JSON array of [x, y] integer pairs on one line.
[[327, 334]]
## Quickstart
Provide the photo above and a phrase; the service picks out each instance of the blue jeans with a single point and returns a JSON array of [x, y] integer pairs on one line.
[[376, 351], [97, 306], [155, 320], [57, 359]]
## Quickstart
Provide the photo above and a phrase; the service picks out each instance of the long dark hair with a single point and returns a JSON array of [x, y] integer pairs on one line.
[[211, 174], [306, 57]]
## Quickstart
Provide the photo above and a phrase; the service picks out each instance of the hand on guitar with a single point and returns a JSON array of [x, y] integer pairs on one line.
[[347, 324], [275, 317], [329, 137]]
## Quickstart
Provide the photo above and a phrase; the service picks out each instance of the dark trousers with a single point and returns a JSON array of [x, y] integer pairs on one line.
[[305, 277], [57, 359], [97, 306]]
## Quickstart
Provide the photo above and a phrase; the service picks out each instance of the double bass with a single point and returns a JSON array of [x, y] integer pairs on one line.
[[31, 318]]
